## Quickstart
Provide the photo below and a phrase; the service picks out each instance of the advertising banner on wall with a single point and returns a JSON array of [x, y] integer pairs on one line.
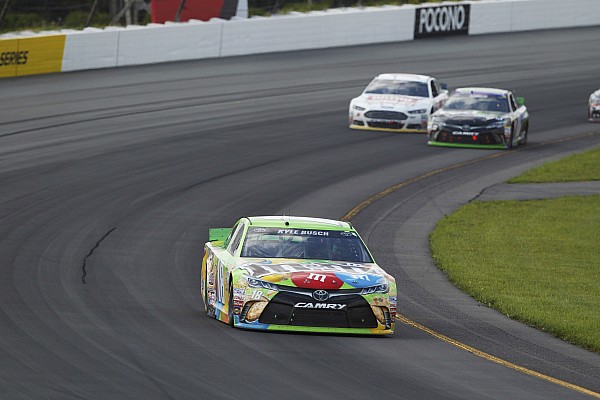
[[442, 20], [166, 10]]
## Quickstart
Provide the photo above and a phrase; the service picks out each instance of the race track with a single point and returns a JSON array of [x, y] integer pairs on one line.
[[110, 180]]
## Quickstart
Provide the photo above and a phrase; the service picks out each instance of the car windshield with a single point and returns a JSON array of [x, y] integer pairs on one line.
[[308, 244], [479, 103], [404, 88]]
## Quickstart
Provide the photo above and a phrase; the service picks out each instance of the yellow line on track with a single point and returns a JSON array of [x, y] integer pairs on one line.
[[495, 359], [366, 203]]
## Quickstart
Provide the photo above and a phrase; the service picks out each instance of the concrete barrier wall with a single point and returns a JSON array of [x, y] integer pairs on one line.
[[134, 45], [92, 48], [317, 30], [162, 43], [525, 15]]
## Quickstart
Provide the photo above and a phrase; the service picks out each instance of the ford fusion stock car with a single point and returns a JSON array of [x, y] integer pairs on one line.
[[296, 274], [480, 117], [397, 102], [594, 106]]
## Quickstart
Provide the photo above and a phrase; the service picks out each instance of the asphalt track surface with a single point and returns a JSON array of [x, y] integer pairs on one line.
[[113, 177]]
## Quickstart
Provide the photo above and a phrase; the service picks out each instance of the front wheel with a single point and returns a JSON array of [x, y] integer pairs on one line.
[[204, 289], [509, 144], [230, 312], [524, 136]]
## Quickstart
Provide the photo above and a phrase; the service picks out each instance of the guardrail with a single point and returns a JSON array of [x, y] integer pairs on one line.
[[91, 48]]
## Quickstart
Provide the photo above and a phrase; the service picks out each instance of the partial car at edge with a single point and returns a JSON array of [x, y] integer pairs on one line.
[[594, 107], [296, 274], [397, 103], [480, 117]]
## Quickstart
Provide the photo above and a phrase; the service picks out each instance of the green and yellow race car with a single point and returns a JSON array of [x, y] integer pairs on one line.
[[296, 274]]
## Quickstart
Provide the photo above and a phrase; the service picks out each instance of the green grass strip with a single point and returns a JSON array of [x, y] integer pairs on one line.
[[575, 168], [535, 261]]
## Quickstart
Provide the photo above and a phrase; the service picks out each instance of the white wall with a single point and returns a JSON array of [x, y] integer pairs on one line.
[[90, 49], [111, 47], [525, 15], [171, 42], [317, 30]]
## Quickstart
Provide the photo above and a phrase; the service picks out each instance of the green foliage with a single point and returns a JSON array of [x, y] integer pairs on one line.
[[535, 261], [77, 19], [269, 7], [21, 21]]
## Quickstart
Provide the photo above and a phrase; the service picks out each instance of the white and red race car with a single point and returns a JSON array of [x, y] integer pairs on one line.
[[398, 103], [594, 106]]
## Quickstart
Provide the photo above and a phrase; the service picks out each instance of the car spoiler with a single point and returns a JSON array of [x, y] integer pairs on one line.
[[218, 234]]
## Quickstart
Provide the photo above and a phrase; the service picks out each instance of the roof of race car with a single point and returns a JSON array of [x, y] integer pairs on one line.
[[284, 221], [483, 91], [404, 77]]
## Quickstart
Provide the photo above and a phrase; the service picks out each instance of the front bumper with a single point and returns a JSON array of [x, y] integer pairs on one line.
[[485, 138], [347, 314], [381, 120]]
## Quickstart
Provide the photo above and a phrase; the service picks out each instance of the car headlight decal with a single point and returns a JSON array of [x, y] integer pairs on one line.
[[259, 283], [419, 111], [381, 288], [358, 108]]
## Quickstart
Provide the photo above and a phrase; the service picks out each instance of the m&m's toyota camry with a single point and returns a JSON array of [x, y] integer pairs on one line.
[[296, 274]]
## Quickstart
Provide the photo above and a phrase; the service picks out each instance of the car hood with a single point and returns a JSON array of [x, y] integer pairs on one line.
[[312, 274], [467, 117], [383, 101]]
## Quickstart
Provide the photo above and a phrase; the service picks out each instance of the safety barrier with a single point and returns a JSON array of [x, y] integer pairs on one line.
[[91, 48]]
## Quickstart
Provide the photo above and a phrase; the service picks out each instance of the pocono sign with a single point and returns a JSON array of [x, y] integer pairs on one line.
[[442, 20]]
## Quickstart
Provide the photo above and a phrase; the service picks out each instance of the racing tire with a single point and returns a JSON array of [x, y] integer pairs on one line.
[[524, 137], [230, 306], [509, 145], [204, 296]]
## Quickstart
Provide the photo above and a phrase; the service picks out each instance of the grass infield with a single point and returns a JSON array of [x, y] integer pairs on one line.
[[574, 168], [536, 261]]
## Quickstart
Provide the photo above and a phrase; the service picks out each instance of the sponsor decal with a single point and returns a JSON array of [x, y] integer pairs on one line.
[[13, 57], [442, 20], [320, 295], [395, 99], [302, 232], [360, 280], [272, 267], [316, 280], [462, 133], [35, 55], [322, 306]]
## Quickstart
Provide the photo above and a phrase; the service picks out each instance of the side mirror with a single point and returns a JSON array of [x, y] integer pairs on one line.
[[444, 86], [521, 101]]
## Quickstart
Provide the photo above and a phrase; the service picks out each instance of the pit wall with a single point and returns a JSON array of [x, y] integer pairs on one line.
[[29, 53]]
